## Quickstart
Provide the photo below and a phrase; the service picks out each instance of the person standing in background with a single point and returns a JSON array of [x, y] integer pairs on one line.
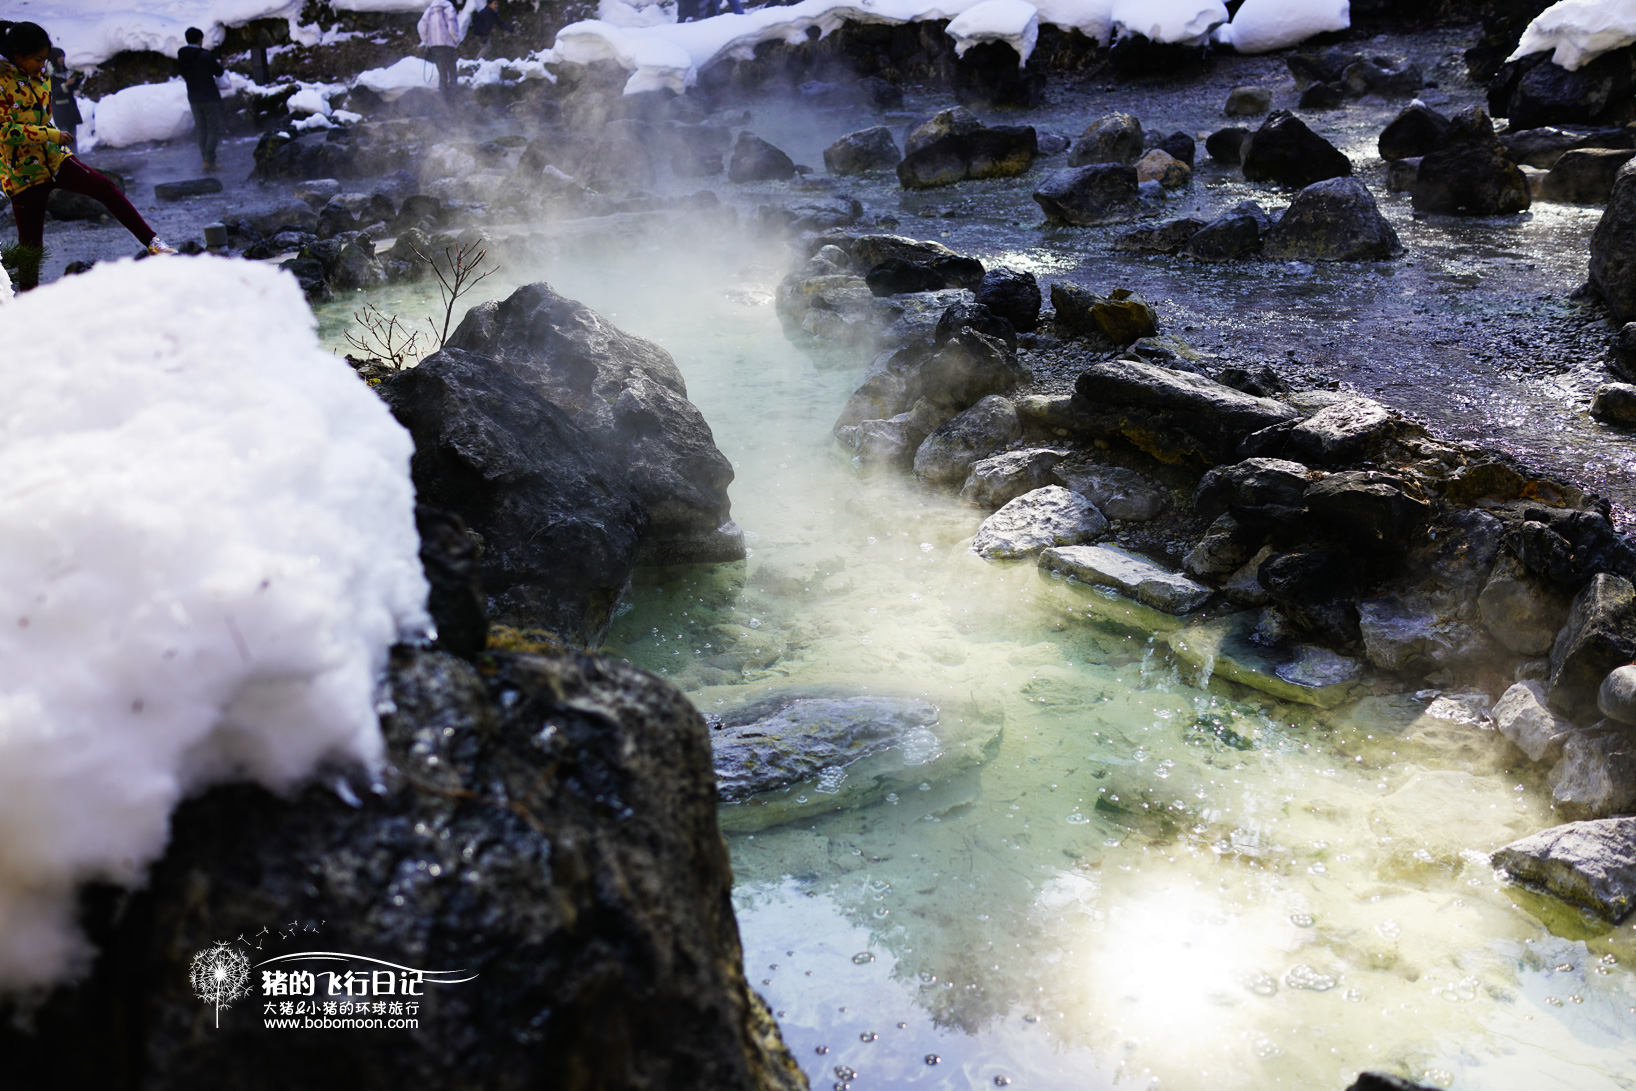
[[483, 23], [65, 111], [199, 69], [439, 30]]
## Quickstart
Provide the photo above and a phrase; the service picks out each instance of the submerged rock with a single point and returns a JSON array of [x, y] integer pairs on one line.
[[1046, 517], [1287, 153], [1591, 864], [1130, 574], [1226, 648], [1333, 220], [795, 754]]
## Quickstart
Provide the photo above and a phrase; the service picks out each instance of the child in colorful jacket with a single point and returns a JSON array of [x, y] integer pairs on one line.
[[34, 155]]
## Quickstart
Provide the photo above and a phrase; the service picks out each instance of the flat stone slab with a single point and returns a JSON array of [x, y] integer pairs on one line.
[[1590, 864], [193, 187], [1038, 520], [1223, 648], [1128, 573], [1104, 606], [793, 755]]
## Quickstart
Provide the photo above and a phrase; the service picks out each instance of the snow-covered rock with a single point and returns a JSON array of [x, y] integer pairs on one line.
[[145, 111], [394, 80], [1260, 26], [1168, 21], [1579, 31], [1015, 22], [207, 547]]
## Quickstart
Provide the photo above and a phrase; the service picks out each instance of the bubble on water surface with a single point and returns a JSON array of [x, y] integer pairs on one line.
[[1305, 977], [863, 958]]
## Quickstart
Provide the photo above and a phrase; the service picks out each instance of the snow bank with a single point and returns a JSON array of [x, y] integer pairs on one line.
[[1169, 21], [146, 111], [392, 81], [207, 546], [1579, 31], [1015, 22], [1261, 26], [1093, 18], [91, 31]]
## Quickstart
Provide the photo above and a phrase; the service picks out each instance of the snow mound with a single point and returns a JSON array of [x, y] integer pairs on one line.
[[1169, 21], [146, 111], [1261, 26], [392, 81], [91, 31], [1093, 18], [207, 547], [1015, 22], [1579, 31]]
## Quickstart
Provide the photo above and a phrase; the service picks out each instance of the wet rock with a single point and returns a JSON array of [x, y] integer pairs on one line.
[[1321, 66], [957, 121], [812, 214], [1162, 167], [1534, 91], [886, 444], [966, 368], [1567, 547], [334, 219], [317, 192], [584, 881], [1316, 590], [1322, 96], [1224, 549], [1600, 634], [627, 394], [356, 268], [1226, 648], [1470, 174], [862, 151], [1000, 479], [1597, 774], [1540, 147], [1520, 612], [1243, 588], [1013, 295], [895, 276], [289, 215], [452, 559], [1585, 176], [1227, 145], [1416, 130], [192, 187], [1130, 574], [792, 755], [1248, 101], [1113, 138], [1368, 507], [992, 74], [975, 316], [1333, 220], [947, 455], [1287, 153], [1123, 316], [1378, 76], [1259, 380], [1521, 715], [1172, 415], [1087, 196], [999, 152], [1117, 492], [1590, 864], [1349, 431], [1167, 238], [1408, 634], [755, 160], [1262, 492], [1616, 699], [1613, 247], [1179, 146], [1234, 234], [1038, 520], [1401, 175], [309, 273]]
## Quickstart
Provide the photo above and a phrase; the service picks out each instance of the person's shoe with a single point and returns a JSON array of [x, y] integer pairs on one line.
[[156, 245], [211, 166]]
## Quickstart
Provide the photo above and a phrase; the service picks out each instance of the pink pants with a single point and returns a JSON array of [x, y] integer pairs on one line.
[[28, 206]]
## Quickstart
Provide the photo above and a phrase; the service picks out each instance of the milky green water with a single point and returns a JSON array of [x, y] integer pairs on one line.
[[1154, 882]]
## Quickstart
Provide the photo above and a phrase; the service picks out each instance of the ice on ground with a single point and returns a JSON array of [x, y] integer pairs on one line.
[[1015, 22], [1579, 31], [1169, 21], [1260, 26], [207, 547]]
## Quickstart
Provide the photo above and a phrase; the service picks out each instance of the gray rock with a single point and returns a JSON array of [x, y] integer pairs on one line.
[[1234, 234], [192, 187], [1256, 491], [1615, 403], [755, 160], [1522, 716], [1599, 635], [1470, 173], [1167, 238], [1616, 699], [1243, 588], [1351, 430], [1046, 517], [1333, 220], [317, 192], [862, 151], [1287, 153], [1416, 130], [1408, 634], [963, 370], [1372, 510], [1087, 196], [883, 394], [947, 455], [1519, 611], [1003, 151], [1377, 76], [1590, 864], [1597, 774], [889, 444], [1316, 667], [1130, 574], [1248, 101], [796, 754], [870, 250], [1112, 138], [1117, 492], [955, 121], [1172, 415], [1225, 548], [1585, 176], [1012, 294], [996, 481]]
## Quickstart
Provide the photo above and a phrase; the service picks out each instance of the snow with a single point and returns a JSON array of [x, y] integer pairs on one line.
[[308, 100], [392, 81], [207, 547], [1093, 18], [1169, 21], [1579, 31], [91, 31], [1261, 26], [145, 111], [1014, 21]]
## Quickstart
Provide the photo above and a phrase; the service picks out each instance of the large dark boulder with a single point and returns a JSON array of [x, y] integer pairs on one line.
[[1333, 220], [1258, 492], [1287, 153], [862, 151], [755, 160], [1585, 176], [1086, 196], [1600, 635], [1533, 91], [1227, 145], [1011, 294], [896, 276], [991, 74], [1471, 174], [1166, 238], [545, 826], [560, 524], [1316, 590], [1113, 138], [1369, 508], [999, 152], [1415, 131], [1173, 415], [627, 394], [1613, 247], [1234, 234]]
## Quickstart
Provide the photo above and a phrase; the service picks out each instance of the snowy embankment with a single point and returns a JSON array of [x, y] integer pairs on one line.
[[207, 547], [1576, 32]]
